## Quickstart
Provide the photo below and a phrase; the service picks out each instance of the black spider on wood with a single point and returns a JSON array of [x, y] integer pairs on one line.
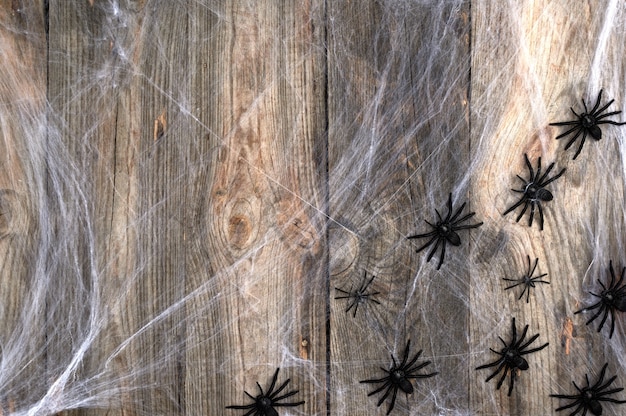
[[534, 192], [445, 231], [589, 397], [264, 403], [527, 280], [587, 123], [399, 377], [511, 356], [360, 295], [612, 299]]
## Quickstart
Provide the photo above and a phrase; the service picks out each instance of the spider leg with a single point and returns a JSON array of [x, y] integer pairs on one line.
[[436, 246], [540, 180], [374, 381], [573, 139], [457, 213], [284, 396], [517, 204], [532, 214], [600, 117], [560, 136], [467, 226], [493, 364], [540, 215], [465, 218], [512, 380], [593, 110], [281, 388], [405, 356], [595, 134], [519, 282], [356, 306], [247, 406], [430, 234], [388, 385], [393, 401], [521, 214], [501, 380], [615, 123], [413, 360], [274, 378], [552, 179], [442, 255], [567, 123], [449, 204], [612, 323], [527, 290], [429, 242], [529, 166], [495, 373], [386, 394]]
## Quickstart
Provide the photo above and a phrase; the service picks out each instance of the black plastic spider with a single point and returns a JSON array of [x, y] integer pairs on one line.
[[399, 377], [612, 299], [511, 358], [360, 295], [265, 403], [444, 231], [587, 123], [527, 280], [534, 191], [589, 397]]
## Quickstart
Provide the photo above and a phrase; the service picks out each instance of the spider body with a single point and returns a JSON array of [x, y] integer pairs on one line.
[[587, 123], [612, 299], [399, 377], [360, 295], [534, 192], [589, 397], [528, 280], [444, 231], [512, 356], [264, 403]]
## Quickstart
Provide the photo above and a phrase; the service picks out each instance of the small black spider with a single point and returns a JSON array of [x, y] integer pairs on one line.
[[587, 123], [265, 403], [360, 295], [612, 299], [534, 191], [527, 280], [399, 377], [444, 231], [511, 358], [589, 397]]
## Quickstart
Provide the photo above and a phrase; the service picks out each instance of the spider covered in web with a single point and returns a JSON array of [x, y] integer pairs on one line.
[[612, 299], [528, 280], [359, 296], [511, 356], [534, 192], [587, 123], [399, 377], [445, 231], [265, 402], [589, 397]]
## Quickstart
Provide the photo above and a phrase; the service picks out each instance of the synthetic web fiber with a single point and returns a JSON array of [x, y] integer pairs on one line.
[[192, 189]]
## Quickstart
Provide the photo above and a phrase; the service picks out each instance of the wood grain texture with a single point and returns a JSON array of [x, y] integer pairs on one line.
[[227, 204]]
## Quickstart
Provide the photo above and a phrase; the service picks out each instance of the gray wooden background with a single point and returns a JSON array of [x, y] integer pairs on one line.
[[218, 168]]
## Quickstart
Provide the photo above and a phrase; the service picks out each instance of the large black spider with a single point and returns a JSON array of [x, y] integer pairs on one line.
[[587, 123], [444, 231], [527, 280], [399, 377], [534, 191], [511, 358], [589, 397], [264, 403], [612, 298], [360, 295]]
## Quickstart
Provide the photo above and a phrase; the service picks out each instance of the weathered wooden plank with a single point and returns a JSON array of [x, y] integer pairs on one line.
[[525, 74], [257, 230], [23, 108], [391, 73]]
